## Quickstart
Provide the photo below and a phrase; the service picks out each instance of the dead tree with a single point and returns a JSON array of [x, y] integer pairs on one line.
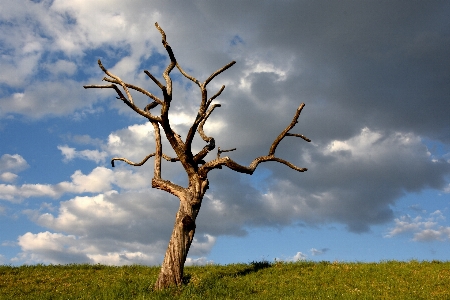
[[193, 163]]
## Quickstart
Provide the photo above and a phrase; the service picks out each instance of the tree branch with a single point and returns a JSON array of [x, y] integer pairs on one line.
[[299, 135], [191, 78], [202, 123], [154, 79], [119, 81], [226, 161], [122, 97], [285, 131], [139, 89], [158, 151], [172, 64], [168, 186], [168, 158], [215, 96], [220, 151], [218, 72]]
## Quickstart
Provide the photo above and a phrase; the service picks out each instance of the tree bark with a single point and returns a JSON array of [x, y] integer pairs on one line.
[[173, 265], [172, 268]]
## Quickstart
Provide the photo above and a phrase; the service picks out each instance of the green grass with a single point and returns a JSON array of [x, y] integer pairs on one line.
[[257, 280]]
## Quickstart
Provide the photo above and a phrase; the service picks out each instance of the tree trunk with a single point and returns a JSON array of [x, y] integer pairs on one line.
[[171, 273]]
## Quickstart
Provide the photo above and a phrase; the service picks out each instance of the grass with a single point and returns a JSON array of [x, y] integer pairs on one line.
[[257, 280]]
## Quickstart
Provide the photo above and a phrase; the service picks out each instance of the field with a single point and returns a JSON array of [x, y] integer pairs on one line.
[[257, 280]]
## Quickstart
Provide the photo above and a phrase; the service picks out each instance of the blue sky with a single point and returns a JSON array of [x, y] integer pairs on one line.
[[375, 80]]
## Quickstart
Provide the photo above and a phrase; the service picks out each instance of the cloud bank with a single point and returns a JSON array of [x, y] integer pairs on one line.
[[374, 77]]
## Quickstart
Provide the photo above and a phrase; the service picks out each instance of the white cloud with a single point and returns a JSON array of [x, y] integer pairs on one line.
[[13, 162], [55, 98], [134, 142], [57, 248], [298, 256], [45, 241], [202, 245], [201, 261], [429, 235], [62, 67], [94, 155], [125, 258], [8, 177], [109, 228], [315, 251], [94, 209], [372, 146], [423, 230], [16, 194], [257, 65], [99, 180], [40, 32]]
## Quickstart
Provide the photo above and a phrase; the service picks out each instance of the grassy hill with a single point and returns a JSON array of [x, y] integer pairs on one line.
[[257, 280]]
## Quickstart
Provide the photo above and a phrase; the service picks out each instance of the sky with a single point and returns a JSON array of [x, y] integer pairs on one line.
[[375, 80]]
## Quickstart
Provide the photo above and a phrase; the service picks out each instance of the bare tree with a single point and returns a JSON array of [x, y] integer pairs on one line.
[[196, 167]]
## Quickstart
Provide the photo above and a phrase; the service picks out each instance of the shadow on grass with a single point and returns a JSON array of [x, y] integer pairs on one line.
[[254, 266], [239, 271]]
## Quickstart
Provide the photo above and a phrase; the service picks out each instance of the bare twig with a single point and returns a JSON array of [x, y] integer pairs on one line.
[[227, 66], [122, 97], [139, 89], [204, 118], [215, 96], [285, 131], [130, 99], [298, 135], [220, 151], [191, 78], [172, 64], [154, 79], [168, 158]]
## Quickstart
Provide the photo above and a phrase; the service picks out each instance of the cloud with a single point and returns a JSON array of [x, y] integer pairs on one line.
[[8, 177], [315, 251], [201, 261], [351, 181], [57, 248], [361, 113], [423, 230], [52, 98], [13, 162], [43, 50], [71, 153], [202, 245], [109, 228], [99, 180], [62, 67], [297, 257]]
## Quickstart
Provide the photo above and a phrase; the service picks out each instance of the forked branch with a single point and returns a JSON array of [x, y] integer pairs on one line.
[[285, 131], [228, 162], [127, 100]]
